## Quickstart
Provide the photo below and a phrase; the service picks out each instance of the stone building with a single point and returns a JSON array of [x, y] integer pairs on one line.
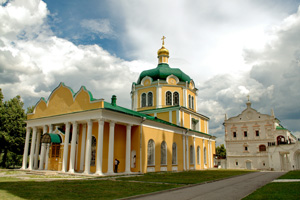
[[258, 141]]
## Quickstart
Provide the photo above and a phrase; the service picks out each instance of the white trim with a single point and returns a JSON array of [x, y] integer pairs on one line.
[[178, 117], [172, 76], [146, 78], [170, 116], [185, 97]]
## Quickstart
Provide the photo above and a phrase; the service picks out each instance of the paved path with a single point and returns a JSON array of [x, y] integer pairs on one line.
[[232, 188]]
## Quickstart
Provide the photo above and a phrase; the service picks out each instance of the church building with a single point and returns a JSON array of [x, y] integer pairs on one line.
[[77, 133], [258, 141]]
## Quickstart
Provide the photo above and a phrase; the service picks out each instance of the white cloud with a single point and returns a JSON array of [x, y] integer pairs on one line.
[[206, 40], [102, 27], [34, 61]]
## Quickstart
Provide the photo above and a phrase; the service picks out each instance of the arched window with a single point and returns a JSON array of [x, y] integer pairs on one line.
[[93, 152], [175, 98], [168, 98], [190, 101], [174, 154], [151, 152], [163, 153], [204, 152], [198, 155], [262, 148], [192, 155], [150, 99], [144, 100]]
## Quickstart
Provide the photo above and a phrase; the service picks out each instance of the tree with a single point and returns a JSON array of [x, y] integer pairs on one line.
[[221, 151], [12, 130]]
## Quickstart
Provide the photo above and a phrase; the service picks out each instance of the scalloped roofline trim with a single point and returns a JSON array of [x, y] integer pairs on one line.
[[74, 95]]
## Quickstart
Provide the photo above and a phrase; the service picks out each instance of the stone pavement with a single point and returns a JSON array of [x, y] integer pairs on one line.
[[231, 188]]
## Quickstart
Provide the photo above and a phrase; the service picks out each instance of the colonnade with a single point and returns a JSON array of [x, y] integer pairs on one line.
[[86, 145]]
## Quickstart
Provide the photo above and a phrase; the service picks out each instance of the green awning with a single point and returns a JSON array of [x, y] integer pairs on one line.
[[51, 138], [55, 138]]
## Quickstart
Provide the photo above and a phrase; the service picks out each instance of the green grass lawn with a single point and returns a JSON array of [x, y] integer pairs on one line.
[[278, 190], [291, 175], [188, 177], [14, 188]]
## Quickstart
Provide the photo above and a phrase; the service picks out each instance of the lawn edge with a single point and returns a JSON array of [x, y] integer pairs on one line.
[[178, 188]]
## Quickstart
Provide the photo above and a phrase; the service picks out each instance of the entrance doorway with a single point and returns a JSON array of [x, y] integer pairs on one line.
[[248, 164]]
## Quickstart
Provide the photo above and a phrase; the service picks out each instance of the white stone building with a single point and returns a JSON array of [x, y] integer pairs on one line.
[[258, 141]]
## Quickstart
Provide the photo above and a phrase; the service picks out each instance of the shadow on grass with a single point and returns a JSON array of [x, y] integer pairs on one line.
[[79, 189]]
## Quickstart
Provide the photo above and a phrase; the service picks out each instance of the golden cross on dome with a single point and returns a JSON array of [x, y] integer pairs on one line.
[[163, 40], [248, 97]]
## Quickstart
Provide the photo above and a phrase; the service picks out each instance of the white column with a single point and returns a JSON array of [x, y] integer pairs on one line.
[[47, 155], [66, 148], [195, 153], [32, 148], [211, 156], [187, 152], [73, 147], [43, 151], [82, 152], [88, 147], [178, 117], [158, 97], [111, 147], [50, 128], [25, 154], [183, 146], [99, 147], [195, 102], [184, 98], [135, 100], [170, 116], [37, 150], [128, 148]]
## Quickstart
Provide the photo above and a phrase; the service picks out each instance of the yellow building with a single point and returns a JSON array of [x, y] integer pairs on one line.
[[76, 133]]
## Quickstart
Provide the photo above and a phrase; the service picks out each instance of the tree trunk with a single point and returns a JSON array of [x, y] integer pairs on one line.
[[4, 158]]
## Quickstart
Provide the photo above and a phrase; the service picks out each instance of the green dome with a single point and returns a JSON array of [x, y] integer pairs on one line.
[[162, 71]]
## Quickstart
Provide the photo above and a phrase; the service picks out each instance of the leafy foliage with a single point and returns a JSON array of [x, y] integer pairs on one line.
[[221, 151], [12, 130]]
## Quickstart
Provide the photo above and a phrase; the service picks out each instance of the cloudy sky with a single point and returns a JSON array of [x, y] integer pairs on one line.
[[229, 48]]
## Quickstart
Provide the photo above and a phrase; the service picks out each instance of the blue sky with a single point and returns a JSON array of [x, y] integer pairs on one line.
[[229, 48]]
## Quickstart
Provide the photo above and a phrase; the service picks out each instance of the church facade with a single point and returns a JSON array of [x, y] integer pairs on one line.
[[258, 141], [76, 133]]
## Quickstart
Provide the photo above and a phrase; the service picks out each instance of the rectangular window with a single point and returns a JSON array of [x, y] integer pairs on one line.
[[55, 150], [236, 163], [245, 134], [257, 133], [246, 148], [234, 134]]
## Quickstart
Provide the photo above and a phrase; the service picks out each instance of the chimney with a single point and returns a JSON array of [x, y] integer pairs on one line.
[[114, 100]]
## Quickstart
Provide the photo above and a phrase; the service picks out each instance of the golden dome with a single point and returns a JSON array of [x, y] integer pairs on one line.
[[163, 51]]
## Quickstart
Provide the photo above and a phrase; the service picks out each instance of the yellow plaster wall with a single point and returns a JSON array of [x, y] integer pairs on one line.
[[146, 90], [61, 102], [120, 146], [189, 92], [135, 145], [164, 90], [159, 136], [163, 116], [174, 119], [186, 123]]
